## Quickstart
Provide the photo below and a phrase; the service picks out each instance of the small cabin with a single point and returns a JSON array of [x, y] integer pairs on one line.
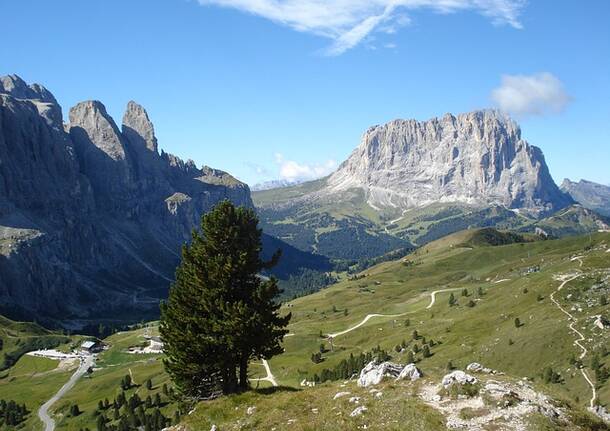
[[92, 346]]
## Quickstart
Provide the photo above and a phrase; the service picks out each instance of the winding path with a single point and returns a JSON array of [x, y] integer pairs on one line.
[[43, 411], [370, 316], [577, 332], [270, 377]]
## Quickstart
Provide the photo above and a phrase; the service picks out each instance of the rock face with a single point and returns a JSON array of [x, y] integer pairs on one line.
[[92, 217], [474, 158], [373, 373], [458, 378], [590, 195]]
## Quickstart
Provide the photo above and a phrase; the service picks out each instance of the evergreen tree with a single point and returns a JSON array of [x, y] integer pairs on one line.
[[101, 423], [220, 313], [149, 384], [452, 300], [517, 322], [426, 351], [74, 410]]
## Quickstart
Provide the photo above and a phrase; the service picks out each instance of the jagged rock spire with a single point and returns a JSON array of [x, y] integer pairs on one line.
[[138, 128]]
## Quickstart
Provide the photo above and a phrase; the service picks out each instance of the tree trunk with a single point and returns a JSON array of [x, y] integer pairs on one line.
[[229, 383], [243, 372]]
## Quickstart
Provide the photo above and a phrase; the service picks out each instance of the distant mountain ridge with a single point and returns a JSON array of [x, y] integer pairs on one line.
[[274, 184], [591, 195]]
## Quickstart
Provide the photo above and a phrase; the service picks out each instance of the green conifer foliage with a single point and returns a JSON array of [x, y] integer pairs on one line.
[[221, 313]]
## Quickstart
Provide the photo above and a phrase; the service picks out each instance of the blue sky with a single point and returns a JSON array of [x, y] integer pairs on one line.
[[270, 88]]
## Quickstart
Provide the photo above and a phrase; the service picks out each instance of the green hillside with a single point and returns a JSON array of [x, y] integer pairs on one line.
[[495, 277], [17, 338], [492, 285]]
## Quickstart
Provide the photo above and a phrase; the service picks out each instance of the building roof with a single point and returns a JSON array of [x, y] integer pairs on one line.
[[88, 344]]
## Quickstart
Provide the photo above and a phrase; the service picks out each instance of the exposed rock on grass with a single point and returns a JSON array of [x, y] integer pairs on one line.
[[374, 373], [458, 378]]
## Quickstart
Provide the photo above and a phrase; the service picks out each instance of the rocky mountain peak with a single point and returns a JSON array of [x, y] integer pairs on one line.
[[18, 88], [138, 128], [591, 195], [474, 158], [90, 121], [39, 96]]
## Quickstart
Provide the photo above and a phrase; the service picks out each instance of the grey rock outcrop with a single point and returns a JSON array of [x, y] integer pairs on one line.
[[373, 373], [458, 378], [475, 158], [138, 128], [590, 195], [92, 218]]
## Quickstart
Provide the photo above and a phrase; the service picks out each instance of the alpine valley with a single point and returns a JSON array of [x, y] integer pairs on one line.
[[438, 279]]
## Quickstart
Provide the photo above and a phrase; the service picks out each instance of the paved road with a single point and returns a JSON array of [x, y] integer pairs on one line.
[[43, 411]]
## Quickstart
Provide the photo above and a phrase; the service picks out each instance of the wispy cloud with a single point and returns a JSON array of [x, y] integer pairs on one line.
[[295, 171], [537, 94], [260, 170], [349, 22]]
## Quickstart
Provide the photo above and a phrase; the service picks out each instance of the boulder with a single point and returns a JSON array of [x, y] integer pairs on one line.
[[475, 367], [601, 322], [374, 373], [458, 378], [410, 372], [358, 411], [340, 394]]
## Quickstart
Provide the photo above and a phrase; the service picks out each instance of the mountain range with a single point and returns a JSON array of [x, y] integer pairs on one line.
[[410, 182], [93, 215]]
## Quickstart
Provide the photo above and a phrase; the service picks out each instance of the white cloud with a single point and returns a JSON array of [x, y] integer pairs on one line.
[[537, 94], [349, 22], [295, 171]]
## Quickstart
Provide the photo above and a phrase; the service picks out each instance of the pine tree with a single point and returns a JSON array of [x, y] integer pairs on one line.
[[74, 410], [426, 351], [220, 313], [149, 384], [452, 300], [517, 322]]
